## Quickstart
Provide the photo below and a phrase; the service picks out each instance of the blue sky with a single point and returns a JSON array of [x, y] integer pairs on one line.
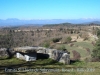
[[49, 9]]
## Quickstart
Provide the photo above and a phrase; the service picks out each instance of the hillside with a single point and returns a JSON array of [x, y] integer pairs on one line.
[[79, 38]]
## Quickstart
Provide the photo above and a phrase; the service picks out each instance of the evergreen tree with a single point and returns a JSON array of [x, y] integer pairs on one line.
[[96, 50]]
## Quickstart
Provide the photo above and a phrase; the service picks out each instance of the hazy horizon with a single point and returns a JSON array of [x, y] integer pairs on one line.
[[54, 19]]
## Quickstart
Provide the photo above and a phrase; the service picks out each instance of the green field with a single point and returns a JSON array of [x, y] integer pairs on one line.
[[79, 47], [76, 68]]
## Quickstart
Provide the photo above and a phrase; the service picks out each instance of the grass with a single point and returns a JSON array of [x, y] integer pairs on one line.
[[73, 69], [84, 44], [79, 47], [13, 61], [93, 67]]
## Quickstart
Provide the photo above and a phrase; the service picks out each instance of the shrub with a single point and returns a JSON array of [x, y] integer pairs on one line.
[[62, 47], [96, 59], [46, 44], [76, 55], [79, 63], [52, 46], [71, 44], [93, 43], [69, 39], [66, 40], [85, 38], [98, 33], [88, 59], [56, 40], [96, 50], [84, 35], [88, 50]]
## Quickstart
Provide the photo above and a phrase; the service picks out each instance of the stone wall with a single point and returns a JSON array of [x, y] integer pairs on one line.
[[58, 55], [3, 53]]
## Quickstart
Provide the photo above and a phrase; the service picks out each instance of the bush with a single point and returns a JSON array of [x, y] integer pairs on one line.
[[46, 44], [96, 59], [69, 39], [79, 63], [88, 50], [71, 44], [56, 40], [85, 38], [96, 50], [66, 40], [52, 46], [62, 47], [98, 33], [84, 35], [76, 55], [93, 43], [88, 60]]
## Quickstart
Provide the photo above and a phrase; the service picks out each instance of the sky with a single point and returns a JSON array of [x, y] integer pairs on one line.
[[49, 9]]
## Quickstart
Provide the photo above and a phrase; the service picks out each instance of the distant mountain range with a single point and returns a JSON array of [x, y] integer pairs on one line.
[[17, 22], [95, 22]]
